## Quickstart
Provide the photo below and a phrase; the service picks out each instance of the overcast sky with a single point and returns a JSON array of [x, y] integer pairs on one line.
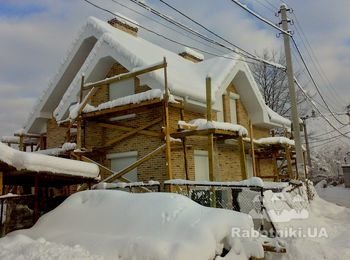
[[36, 34]]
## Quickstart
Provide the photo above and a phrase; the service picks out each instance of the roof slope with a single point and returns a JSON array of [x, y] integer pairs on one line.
[[36, 162], [99, 45]]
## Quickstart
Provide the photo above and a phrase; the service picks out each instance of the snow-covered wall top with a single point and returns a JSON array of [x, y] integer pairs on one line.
[[44, 163]]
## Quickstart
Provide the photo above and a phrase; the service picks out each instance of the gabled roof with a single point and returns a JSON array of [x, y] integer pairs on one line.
[[100, 45]]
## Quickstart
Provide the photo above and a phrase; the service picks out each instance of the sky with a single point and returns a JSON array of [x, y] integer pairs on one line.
[[36, 35]]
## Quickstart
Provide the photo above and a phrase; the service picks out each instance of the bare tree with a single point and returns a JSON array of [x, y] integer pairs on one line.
[[273, 83]]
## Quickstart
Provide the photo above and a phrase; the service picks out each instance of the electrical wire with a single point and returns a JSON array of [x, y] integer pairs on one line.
[[165, 37], [166, 26], [314, 82]]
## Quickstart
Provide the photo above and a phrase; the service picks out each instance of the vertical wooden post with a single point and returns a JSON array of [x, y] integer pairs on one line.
[[21, 142], [305, 167], [275, 166], [184, 145], [226, 107], [1, 183], [242, 157], [289, 162], [251, 134], [81, 88], [79, 131], [210, 136], [167, 125]]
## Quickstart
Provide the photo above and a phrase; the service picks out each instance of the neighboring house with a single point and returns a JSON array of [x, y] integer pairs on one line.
[[119, 133]]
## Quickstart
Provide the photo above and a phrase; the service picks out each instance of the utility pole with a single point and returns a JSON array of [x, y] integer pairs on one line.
[[293, 102], [306, 141]]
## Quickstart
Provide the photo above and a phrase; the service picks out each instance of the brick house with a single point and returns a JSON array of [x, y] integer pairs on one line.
[[127, 119]]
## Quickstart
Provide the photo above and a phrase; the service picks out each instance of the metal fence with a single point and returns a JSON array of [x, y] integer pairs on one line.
[[16, 212]]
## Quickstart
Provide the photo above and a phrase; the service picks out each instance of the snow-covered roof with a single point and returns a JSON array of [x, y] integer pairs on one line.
[[99, 46], [36, 162]]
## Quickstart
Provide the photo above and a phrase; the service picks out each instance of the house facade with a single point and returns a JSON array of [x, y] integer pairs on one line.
[[128, 118]]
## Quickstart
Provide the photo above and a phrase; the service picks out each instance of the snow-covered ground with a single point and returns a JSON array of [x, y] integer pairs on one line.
[[104, 224], [337, 194]]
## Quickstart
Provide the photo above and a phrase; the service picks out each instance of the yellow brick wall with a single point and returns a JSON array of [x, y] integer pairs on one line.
[[227, 159], [55, 135]]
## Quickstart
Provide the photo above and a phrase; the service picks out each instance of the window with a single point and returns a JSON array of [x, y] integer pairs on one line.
[[249, 162], [201, 165], [233, 111], [121, 89], [120, 161]]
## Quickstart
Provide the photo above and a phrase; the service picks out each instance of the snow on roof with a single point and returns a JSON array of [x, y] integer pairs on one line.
[[278, 119], [133, 52], [43, 163], [193, 53], [10, 139], [202, 124], [144, 226]]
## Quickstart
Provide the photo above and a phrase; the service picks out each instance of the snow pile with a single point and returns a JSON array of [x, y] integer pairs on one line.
[[274, 140], [58, 151], [43, 163], [324, 234], [10, 139], [22, 247], [193, 53], [202, 124], [141, 226]]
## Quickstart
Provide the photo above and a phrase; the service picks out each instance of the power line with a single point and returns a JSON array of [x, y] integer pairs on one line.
[[313, 57], [171, 20], [165, 37], [260, 17], [313, 81], [314, 105], [164, 25]]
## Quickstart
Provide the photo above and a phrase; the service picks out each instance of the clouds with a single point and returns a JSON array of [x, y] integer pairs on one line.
[[35, 35]]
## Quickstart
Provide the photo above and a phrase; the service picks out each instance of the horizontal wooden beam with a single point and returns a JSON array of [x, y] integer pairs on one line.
[[126, 128], [124, 76], [204, 132], [124, 108]]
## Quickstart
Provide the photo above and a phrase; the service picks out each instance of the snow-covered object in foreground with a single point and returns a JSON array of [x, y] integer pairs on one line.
[[202, 124], [116, 224], [43, 163]]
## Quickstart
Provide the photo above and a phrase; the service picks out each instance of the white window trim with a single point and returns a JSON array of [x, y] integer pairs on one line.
[[234, 95], [121, 155]]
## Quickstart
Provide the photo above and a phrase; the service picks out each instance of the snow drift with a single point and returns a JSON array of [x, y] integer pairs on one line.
[[121, 225]]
